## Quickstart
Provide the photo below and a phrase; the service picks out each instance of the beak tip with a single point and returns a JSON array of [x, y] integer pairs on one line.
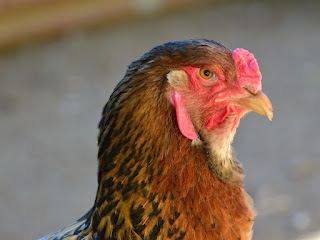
[[270, 114]]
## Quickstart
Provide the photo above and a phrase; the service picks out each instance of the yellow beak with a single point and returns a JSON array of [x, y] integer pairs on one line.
[[259, 103]]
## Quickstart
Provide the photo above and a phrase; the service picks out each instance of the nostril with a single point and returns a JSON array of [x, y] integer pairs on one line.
[[249, 89]]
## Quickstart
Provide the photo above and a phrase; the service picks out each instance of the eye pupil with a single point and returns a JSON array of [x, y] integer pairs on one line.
[[207, 73]]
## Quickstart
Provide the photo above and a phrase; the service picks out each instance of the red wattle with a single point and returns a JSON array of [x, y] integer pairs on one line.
[[183, 119]]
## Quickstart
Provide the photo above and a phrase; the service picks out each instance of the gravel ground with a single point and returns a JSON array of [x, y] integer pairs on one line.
[[52, 94]]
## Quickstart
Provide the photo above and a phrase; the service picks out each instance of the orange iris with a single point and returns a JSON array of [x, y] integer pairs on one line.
[[206, 73]]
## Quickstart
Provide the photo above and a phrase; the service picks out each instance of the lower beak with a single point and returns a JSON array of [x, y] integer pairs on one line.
[[259, 103]]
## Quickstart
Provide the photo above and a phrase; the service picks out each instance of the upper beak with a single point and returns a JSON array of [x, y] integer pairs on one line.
[[258, 102]]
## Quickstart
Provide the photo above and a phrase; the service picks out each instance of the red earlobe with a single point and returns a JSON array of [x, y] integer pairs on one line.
[[183, 119]]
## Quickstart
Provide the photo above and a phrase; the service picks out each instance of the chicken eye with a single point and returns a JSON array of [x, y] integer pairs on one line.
[[207, 74]]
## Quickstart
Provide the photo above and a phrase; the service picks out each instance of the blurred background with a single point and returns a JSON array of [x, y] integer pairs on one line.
[[60, 60]]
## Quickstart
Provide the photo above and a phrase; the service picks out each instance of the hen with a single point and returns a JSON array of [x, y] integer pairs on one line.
[[166, 166]]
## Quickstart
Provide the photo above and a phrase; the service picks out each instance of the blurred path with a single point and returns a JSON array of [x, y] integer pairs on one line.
[[23, 21]]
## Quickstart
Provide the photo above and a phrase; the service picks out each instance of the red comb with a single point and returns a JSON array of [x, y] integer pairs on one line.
[[248, 69]]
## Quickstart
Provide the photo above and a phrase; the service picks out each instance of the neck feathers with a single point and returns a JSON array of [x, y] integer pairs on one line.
[[221, 156], [152, 181]]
